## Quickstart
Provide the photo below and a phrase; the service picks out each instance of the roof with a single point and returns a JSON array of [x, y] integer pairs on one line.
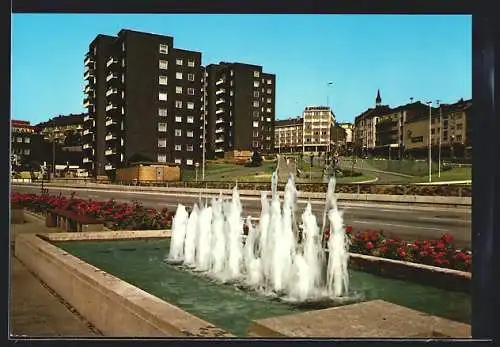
[[71, 119], [20, 123], [287, 122], [374, 112]]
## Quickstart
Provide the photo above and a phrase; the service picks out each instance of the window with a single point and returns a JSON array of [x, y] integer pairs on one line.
[[256, 84], [162, 127], [162, 143], [269, 91], [163, 64], [178, 119], [459, 127], [178, 104], [178, 75], [190, 91], [191, 62], [123, 62], [191, 77], [162, 80], [268, 137], [123, 94], [162, 158], [433, 131], [178, 62], [190, 105], [162, 112], [269, 82], [26, 140], [123, 78], [189, 161], [255, 124], [178, 132], [19, 139], [178, 147], [162, 96], [269, 100], [256, 94], [189, 133], [255, 104], [178, 90], [255, 113], [177, 161], [231, 93], [189, 148], [27, 151], [268, 110], [256, 133], [268, 119], [459, 138], [163, 49], [190, 119], [256, 74], [123, 47]]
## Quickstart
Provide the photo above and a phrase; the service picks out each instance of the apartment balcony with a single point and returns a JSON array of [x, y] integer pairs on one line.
[[219, 130], [86, 103], [110, 151], [87, 160], [109, 167], [110, 137], [219, 111], [111, 76], [87, 146], [88, 74], [219, 101], [219, 121], [87, 118], [87, 132], [110, 121], [220, 91], [219, 150], [219, 140], [219, 82], [111, 61], [111, 91], [111, 107]]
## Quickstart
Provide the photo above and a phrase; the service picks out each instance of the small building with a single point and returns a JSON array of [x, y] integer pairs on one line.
[[149, 172]]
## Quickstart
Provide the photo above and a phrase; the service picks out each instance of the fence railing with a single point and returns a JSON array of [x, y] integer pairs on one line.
[[457, 190]]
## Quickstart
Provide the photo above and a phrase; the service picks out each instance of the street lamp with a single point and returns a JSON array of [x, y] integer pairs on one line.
[[439, 130], [430, 150], [204, 128], [328, 84]]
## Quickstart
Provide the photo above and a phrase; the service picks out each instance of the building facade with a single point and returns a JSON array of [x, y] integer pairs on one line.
[[288, 135], [240, 108], [63, 129], [319, 129], [144, 100], [22, 133]]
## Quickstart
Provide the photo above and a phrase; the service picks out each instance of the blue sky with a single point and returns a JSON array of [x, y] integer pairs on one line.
[[424, 57]]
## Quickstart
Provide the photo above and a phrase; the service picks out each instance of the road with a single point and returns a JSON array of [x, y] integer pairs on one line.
[[409, 223]]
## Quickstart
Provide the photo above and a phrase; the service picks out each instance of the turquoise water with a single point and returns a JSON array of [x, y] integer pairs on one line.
[[141, 263]]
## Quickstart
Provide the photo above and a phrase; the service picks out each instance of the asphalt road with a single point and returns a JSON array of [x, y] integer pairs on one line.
[[407, 222]]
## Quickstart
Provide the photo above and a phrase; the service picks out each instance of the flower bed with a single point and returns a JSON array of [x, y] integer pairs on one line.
[[122, 216], [116, 216]]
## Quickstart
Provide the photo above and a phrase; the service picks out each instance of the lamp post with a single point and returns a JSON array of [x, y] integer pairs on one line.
[[328, 84], [439, 130], [430, 148], [204, 129]]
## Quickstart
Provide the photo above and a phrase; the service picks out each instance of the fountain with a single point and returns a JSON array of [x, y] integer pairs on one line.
[[273, 258]]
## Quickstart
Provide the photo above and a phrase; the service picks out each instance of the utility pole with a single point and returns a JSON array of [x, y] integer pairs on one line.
[[430, 148]]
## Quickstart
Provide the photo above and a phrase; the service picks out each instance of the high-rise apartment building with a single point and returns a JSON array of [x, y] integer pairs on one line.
[[319, 126], [144, 100], [240, 108]]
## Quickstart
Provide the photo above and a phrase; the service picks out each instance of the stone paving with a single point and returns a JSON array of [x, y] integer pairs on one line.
[[35, 310]]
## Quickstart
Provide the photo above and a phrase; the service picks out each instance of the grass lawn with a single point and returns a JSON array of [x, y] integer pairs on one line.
[[232, 172], [455, 174]]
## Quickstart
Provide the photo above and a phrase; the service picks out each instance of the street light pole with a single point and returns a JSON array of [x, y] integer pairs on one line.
[[439, 130], [430, 150], [204, 128]]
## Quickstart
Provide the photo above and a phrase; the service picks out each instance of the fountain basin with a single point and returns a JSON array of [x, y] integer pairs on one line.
[[94, 292]]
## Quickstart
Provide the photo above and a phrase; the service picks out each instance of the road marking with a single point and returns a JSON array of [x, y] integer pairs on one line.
[[398, 225]]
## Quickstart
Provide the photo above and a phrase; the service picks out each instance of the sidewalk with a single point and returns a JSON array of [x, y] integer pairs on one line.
[[35, 310]]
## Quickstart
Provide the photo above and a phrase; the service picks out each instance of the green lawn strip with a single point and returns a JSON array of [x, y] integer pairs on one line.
[[455, 174]]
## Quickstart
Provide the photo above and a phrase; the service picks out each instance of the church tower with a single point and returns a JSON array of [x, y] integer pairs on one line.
[[378, 100]]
